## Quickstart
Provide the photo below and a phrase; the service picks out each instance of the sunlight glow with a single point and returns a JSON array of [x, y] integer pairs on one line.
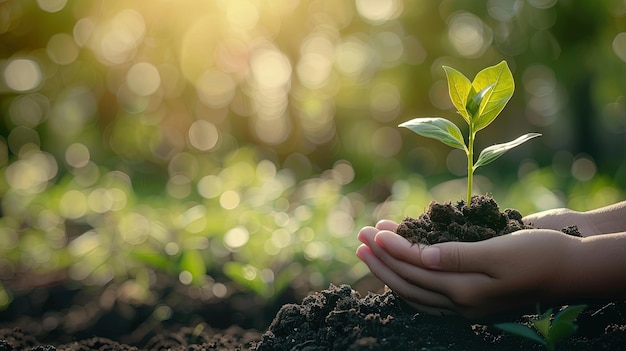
[[100, 200], [353, 57], [77, 155], [22, 74], [468, 34], [583, 168], [378, 11], [243, 14], [619, 46], [210, 186], [215, 88], [143, 79], [203, 135], [117, 42], [236, 237], [229, 200], [73, 204], [316, 62], [32, 173], [51, 5], [270, 68]]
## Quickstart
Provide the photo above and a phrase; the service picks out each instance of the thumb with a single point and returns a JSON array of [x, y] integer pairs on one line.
[[452, 257]]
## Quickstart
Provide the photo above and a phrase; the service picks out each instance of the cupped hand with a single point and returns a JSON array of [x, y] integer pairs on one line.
[[471, 279]]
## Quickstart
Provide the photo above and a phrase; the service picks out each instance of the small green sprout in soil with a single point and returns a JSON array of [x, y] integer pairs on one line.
[[479, 102], [547, 329]]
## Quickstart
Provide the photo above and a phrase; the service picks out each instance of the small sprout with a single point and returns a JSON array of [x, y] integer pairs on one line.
[[479, 103], [547, 329]]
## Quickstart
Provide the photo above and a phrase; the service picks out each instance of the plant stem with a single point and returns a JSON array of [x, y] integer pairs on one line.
[[470, 165]]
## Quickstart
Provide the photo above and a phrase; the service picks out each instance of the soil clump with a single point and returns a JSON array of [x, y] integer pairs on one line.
[[481, 219]]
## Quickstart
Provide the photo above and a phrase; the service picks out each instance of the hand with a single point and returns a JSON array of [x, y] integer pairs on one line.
[[471, 279], [604, 220], [560, 218]]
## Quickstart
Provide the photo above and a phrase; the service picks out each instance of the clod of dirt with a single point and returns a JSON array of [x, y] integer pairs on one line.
[[339, 319], [481, 219]]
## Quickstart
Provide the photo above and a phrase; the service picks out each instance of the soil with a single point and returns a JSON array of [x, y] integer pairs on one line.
[[337, 318], [481, 219]]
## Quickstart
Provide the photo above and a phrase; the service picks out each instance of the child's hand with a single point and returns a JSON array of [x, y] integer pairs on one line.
[[560, 218], [471, 279], [601, 221]]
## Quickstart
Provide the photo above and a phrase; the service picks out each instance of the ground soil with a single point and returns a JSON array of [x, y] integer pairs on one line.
[[337, 318]]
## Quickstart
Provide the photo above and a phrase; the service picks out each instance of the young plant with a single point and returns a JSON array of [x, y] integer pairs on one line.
[[479, 102], [547, 329]]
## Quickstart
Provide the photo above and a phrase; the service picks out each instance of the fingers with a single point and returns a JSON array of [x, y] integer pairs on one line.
[[387, 225], [398, 264], [399, 247], [449, 257], [417, 296], [404, 259]]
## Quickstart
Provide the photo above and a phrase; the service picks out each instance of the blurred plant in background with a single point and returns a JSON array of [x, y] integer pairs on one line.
[[240, 143]]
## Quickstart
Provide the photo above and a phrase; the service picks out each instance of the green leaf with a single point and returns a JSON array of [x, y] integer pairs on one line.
[[521, 330], [569, 314], [491, 153], [437, 128], [459, 88], [493, 103], [543, 324], [561, 331], [474, 104], [563, 323], [193, 263]]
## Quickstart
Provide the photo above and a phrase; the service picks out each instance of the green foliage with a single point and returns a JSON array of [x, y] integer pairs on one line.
[[479, 102], [548, 329], [245, 224]]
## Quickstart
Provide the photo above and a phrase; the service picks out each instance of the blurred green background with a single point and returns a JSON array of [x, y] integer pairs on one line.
[[239, 145]]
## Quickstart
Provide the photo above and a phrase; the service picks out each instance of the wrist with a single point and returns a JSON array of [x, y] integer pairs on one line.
[[608, 219], [593, 267], [565, 265]]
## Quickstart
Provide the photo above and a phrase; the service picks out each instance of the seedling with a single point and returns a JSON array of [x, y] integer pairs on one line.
[[479, 103], [547, 329]]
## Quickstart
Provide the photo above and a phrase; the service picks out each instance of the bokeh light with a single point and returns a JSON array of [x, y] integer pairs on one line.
[[468, 34], [22, 74], [378, 11], [52, 5], [619, 46], [143, 79]]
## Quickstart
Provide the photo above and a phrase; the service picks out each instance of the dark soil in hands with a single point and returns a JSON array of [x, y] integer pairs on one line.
[[481, 219]]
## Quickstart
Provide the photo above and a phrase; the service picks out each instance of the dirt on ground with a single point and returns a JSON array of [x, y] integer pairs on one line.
[[338, 318]]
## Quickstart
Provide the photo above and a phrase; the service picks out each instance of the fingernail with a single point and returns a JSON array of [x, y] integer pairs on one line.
[[361, 252], [431, 256]]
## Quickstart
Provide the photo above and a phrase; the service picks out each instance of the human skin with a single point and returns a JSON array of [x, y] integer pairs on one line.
[[508, 272]]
